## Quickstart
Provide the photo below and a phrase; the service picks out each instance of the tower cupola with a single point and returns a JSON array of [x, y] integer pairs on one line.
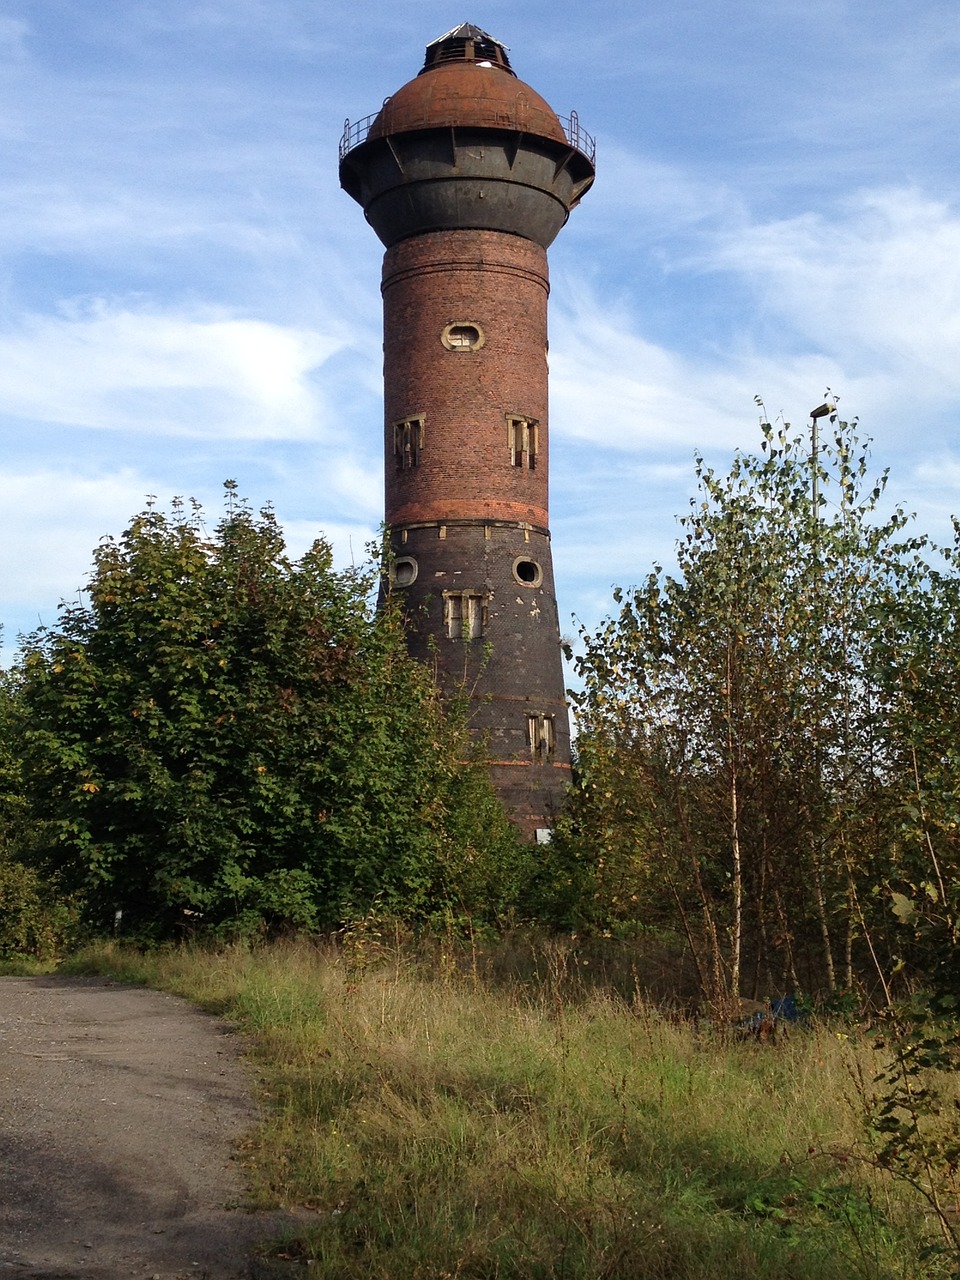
[[467, 43]]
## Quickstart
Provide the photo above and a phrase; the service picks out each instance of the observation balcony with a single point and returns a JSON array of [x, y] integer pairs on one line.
[[357, 131]]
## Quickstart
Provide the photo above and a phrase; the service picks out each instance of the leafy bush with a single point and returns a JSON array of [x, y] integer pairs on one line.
[[222, 736], [33, 921]]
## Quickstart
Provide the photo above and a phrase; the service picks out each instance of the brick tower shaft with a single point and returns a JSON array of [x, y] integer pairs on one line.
[[466, 394]]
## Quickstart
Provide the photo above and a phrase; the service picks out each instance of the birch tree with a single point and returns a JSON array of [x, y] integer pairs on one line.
[[734, 728]]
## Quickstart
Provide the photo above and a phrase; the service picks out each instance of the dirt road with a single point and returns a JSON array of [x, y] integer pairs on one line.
[[118, 1111]]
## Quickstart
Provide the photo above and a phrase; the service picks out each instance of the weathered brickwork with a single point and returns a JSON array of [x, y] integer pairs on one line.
[[499, 283]]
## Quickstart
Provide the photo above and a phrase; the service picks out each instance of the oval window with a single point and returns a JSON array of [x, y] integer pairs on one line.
[[462, 336], [527, 572], [404, 571]]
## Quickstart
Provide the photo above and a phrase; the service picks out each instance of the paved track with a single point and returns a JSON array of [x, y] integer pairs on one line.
[[118, 1112]]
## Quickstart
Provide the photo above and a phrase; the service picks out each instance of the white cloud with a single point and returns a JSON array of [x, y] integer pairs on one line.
[[863, 298], [876, 281], [612, 386], [671, 198], [93, 214], [50, 522], [942, 472], [348, 541], [932, 488], [165, 374], [359, 486]]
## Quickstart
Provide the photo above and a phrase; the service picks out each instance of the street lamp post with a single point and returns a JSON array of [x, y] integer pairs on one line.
[[815, 415]]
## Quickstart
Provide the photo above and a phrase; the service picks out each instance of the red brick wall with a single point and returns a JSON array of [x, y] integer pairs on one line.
[[496, 281]]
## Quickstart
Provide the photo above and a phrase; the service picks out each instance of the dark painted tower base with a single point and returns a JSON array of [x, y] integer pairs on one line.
[[519, 711]]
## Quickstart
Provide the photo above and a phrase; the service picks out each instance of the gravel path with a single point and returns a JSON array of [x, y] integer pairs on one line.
[[118, 1111]]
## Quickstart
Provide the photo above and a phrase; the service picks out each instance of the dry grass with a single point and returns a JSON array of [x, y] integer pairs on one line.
[[444, 1124]]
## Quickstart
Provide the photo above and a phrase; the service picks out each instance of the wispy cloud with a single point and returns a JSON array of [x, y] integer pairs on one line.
[[876, 280], [612, 386], [165, 374], [349, 542], [657, 197], [50, 521], [863, 297], [13, 33]]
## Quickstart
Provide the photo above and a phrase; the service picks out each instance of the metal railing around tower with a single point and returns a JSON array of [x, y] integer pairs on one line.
[[578, 137], [357, 131]]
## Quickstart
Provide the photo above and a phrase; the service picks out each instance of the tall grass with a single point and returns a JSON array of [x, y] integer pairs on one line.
[[441, 1123]]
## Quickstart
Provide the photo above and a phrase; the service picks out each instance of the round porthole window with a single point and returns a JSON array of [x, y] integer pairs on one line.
[[404, 571], [527, 572], [462, 336]]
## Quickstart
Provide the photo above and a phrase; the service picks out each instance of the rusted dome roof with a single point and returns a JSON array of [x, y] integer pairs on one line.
[[467, 94]]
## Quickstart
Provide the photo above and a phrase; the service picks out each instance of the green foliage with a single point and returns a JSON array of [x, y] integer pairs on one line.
[[913, 1110], [34, 924], [769, 763], [11, 786], [918, 660], [221, 736], [756, 749]]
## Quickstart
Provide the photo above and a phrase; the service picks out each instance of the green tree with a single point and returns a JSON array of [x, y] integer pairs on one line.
[[11, 793], [34, 920], [220, 734], [918, 664], [735, 756]]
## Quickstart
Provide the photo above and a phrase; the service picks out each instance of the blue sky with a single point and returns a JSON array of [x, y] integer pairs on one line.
[[187, 296]]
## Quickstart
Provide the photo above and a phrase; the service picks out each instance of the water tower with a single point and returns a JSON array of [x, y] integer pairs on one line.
[[467, 175]]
